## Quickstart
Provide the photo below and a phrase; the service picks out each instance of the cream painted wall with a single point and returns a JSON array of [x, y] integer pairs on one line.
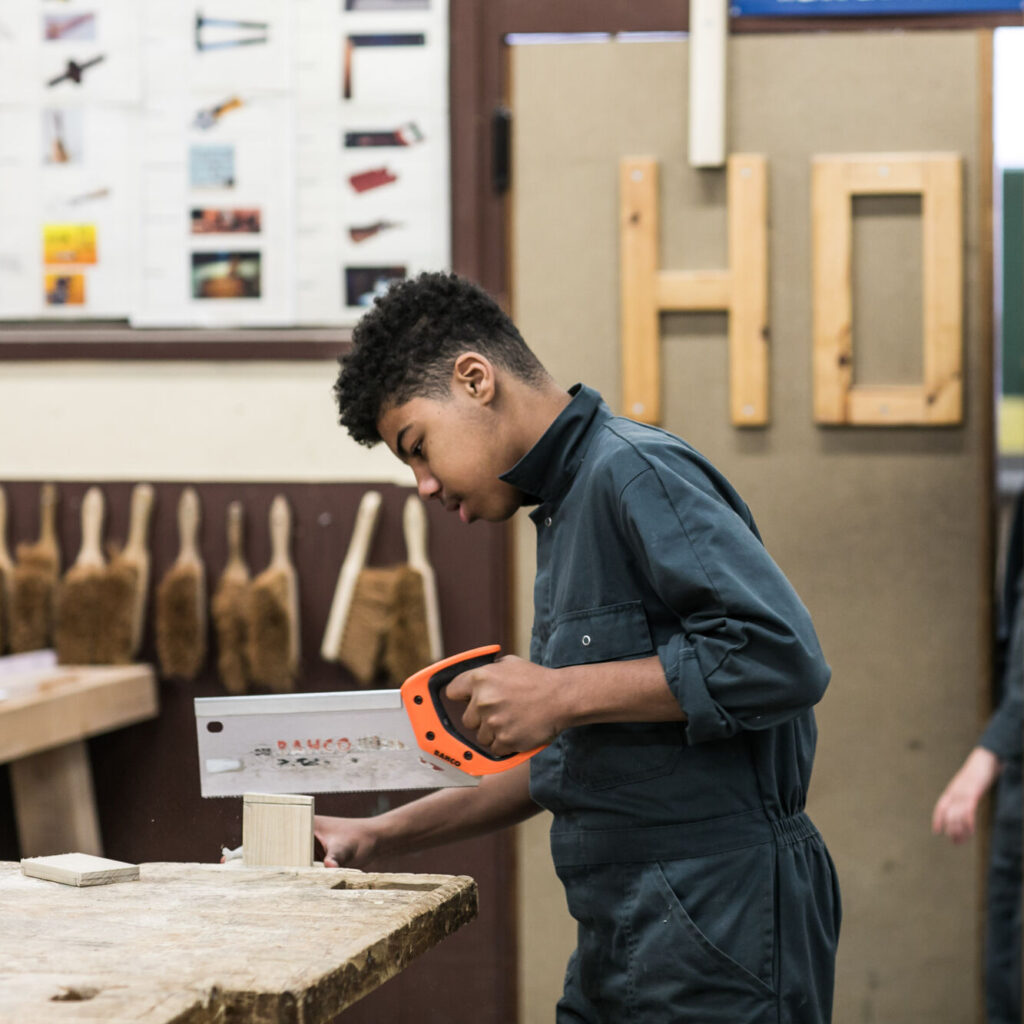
[[195, 421]]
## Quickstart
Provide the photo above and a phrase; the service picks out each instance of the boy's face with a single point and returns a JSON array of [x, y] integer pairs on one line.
[[457, 449]]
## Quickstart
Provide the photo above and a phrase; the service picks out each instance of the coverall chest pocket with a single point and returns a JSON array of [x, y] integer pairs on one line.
[[606, 756]]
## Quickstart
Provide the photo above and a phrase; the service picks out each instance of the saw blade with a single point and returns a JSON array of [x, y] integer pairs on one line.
[[343, 742]]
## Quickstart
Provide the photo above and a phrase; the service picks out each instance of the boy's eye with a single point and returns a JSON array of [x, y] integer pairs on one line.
[[417, 449]]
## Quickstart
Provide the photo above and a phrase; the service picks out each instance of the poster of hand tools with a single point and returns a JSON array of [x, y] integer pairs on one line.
[[224, 163], [70, 113], [371, 148]]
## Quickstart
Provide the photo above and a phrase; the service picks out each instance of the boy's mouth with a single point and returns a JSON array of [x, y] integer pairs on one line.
[[454, 505]]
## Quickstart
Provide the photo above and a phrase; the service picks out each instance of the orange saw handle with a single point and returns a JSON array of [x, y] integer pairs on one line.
[[437, 721]]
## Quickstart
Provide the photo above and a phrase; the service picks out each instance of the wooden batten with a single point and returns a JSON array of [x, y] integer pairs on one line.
[[694, 290], [832, 284], [741, 290], [748, 299], [641, 359], [835, 180]]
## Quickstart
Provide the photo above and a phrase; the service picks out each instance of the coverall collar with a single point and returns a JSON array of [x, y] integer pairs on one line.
[[545, 472]]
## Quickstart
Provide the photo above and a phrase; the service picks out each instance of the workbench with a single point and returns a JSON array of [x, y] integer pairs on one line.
[[45, 719], [210, 943]]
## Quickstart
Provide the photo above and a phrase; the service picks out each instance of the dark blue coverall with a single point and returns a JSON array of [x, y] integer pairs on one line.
[[702, 891], [1003, 737]]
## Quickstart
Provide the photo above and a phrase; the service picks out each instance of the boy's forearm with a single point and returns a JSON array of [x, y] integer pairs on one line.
[[452, 814], [618, 691]]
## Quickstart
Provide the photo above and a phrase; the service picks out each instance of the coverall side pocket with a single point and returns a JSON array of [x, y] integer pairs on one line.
[[674, 963]]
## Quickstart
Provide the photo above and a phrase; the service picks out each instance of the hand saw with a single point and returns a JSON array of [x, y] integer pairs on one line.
[[346, 741]]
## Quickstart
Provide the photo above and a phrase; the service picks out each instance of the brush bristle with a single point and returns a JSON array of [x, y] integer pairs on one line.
[[79, 615], [228, 610], [180, 623], [31, 593], [117, 639], [38, 556], [407, 648], [368, 622], [270, 627]]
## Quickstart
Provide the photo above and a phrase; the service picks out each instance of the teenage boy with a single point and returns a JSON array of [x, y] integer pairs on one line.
[[672, 674]]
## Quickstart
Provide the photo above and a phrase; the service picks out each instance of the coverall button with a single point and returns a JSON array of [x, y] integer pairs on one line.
[[547, 522], [586, 640]]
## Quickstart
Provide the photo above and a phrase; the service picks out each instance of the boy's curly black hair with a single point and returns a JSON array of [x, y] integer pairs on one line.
[[406, 346]]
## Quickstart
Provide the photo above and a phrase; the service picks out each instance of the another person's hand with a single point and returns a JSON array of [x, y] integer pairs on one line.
[[347, 842], [955, 813]]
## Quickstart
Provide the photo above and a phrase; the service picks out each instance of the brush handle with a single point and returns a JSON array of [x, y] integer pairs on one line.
[[280, 532], [138, 524], [137, 554], [48, 515], [355, 559], [280, 562], [414, 525], [90, 555], [236, 539], [5, 556], [188, 525]]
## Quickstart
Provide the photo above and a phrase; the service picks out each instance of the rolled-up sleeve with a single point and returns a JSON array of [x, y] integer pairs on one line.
[[744, 653]]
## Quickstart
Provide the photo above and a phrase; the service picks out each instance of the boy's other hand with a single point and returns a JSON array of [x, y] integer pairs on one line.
[[347, 842]]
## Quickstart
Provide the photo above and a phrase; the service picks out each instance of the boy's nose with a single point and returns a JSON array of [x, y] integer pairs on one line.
[[427, 484]]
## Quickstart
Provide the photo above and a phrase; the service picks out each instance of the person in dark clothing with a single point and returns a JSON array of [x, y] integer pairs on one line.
[[672, 676], [996, 761]]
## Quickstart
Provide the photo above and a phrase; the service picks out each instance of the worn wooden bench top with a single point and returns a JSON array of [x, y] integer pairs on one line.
[[205, 943]]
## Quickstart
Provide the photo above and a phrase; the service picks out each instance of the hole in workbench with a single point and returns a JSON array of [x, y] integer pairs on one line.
[[381, 884], [75, 994]]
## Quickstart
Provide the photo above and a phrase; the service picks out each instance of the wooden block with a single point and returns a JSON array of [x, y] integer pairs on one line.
[[277, 830], [79, 869]]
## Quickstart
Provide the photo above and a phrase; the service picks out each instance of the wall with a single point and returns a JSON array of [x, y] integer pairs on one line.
[[884, 532], [177, 420]]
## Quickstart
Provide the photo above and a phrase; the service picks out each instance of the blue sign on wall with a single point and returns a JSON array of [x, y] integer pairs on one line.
[[867, 8]]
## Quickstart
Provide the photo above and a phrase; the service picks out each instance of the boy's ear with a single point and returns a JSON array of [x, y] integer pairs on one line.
[[474, 373]]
